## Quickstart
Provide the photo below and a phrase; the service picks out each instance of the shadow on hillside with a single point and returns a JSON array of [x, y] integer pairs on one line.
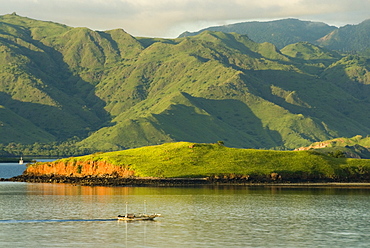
[[208, 121], [356, 89], [56, 121], [79, 110], [147, 42], [339, 105]]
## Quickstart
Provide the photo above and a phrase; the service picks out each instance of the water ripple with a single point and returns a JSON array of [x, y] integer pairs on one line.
[[68, 220]]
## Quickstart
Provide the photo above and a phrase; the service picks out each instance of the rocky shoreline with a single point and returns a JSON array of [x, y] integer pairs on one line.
[[109, 181], [168, 182]]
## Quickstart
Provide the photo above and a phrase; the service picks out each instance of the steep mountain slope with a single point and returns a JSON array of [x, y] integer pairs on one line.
[[118, 91], [350, 38], [20, 130], [36, 84], [48, 73], [280, 32], [218, 86]]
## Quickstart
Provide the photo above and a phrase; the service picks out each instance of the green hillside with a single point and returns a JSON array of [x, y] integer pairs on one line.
[[355, 147], [280, 32], [20, 130], [346, 39], [308, 51], [350, 38], [184, 159], [37, 85], [113, 91]]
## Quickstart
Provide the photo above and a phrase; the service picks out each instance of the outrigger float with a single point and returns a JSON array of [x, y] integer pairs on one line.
[[134, 217]]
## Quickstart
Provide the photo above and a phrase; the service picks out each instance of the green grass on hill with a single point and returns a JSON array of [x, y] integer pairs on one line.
[[343, 141], [114, 91], [185, 159]]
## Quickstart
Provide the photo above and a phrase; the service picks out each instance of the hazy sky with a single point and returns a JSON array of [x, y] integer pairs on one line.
[[169, 18]]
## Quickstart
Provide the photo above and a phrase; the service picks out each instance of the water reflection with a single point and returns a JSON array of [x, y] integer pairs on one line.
[[69, 189], [236, 216]]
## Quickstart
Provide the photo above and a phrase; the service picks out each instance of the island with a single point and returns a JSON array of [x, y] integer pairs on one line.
[[186, 163]]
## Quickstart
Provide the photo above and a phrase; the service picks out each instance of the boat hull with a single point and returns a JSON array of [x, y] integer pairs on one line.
[[133, 217]]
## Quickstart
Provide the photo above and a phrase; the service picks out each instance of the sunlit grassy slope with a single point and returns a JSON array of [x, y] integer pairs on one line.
[[185, 159]]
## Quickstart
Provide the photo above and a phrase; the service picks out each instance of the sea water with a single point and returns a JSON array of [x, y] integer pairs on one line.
[[8, 170], [63, 215]]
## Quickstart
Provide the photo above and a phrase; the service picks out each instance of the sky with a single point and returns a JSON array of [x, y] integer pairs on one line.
[[170, 18]]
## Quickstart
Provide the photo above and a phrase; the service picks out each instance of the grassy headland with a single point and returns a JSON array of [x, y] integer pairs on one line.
[[193, 160]]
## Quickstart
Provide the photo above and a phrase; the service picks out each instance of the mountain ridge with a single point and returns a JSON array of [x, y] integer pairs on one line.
[[115, 91], [283, 32], [279, 32]]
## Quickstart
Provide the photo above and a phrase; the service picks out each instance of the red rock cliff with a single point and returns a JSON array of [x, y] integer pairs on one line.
[[78, 169]]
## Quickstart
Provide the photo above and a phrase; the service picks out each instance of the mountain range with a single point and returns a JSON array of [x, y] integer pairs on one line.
[[115, 91], [347, 39]]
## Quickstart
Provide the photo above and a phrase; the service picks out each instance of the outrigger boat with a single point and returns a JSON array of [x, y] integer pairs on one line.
[[131, 217]]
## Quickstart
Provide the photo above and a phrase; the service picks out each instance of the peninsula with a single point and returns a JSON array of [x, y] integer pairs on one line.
[[185, 163]]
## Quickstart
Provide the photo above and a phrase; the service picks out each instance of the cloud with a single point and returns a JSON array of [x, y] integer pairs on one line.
[[168, 18]]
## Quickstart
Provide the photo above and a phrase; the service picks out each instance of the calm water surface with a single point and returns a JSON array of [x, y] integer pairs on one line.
[[8, 170], [61, 215]]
